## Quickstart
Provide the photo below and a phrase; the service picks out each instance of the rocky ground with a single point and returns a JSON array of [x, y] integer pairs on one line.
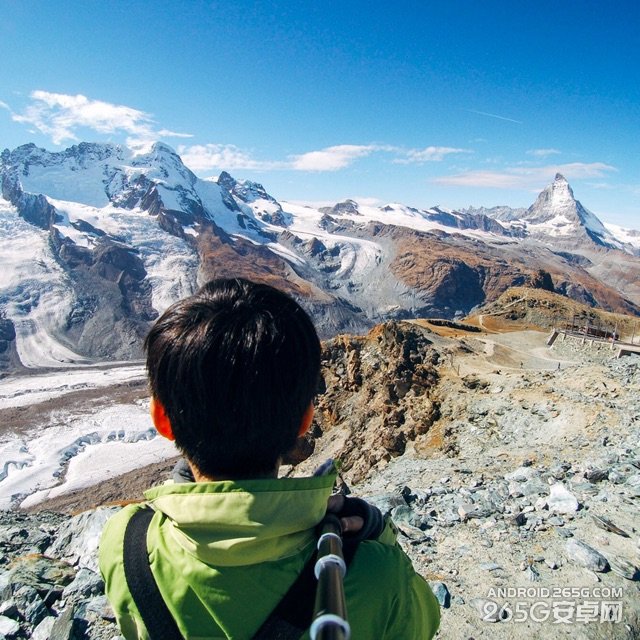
[[537, 487], [515, 485]]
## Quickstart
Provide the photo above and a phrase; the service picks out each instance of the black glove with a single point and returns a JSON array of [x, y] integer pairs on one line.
[[373, 521]]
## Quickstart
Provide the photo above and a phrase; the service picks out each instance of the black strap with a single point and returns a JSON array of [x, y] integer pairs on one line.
[[294, 613], [288, 621], [144, 590]]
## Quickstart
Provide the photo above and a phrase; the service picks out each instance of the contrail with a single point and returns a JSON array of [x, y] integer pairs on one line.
[[493, 115]]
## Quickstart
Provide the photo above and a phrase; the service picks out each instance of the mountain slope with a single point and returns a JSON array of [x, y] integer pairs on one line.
[[544, 309]]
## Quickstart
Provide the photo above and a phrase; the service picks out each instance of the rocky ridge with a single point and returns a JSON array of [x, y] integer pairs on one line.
[[536, 487], [8, 356], [379, 395]]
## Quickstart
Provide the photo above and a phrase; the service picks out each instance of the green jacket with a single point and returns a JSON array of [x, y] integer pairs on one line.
[[225, 553]]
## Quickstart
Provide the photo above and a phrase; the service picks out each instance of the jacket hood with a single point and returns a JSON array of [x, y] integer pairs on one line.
[[234, 523]]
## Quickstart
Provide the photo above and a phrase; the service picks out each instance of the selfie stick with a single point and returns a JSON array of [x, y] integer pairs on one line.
[[330, 611]]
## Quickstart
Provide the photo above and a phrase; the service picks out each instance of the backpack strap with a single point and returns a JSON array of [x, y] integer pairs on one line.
[[294, 613], [142, 585]]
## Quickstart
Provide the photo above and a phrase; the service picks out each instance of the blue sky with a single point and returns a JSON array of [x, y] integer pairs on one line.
[[451, 103]]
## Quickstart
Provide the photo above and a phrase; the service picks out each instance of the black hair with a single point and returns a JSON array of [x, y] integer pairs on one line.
[[235, 366]]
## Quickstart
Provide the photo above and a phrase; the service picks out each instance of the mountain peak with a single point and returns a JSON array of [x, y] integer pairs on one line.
[[554, 202], [557, 213], [246, 190], [562, 189], [226, 180], [347, 207]]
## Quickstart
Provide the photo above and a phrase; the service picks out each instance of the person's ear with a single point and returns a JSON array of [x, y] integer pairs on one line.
[[161, 420], [306, 421]]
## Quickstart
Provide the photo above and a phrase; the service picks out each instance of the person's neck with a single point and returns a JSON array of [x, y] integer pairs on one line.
[[201, 477]]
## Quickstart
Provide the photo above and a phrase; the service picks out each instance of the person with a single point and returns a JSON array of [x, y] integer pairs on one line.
[[233, 371]]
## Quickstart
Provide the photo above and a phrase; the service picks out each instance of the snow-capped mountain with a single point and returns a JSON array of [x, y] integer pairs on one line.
[[558, 215], [97, 240], [501, 213], [629, 238]]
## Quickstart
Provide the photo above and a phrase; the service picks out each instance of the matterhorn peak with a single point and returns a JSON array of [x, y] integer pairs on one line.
[[555, 202], [557, 213], [562, 188]]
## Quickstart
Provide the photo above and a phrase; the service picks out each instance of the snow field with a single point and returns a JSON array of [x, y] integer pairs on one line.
[[20, 391], [73, 448], [67, 181], [76, 451], [171, 263], [106, 460], [627, 236]]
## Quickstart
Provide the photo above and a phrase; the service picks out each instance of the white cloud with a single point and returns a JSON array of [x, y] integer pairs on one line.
[[493, 179], [429, 154], [525, 177], [4, 105], [167, 133], [228, 156], [543, 153], [332, 158], [367, 201], [204, 157], [59, 116], [576, 170], [603, 186]]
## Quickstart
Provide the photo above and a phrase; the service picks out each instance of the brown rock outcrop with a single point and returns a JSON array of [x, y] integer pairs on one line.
[[379, 395]]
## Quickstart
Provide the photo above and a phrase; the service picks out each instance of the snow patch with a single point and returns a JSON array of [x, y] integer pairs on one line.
[[626, 236]]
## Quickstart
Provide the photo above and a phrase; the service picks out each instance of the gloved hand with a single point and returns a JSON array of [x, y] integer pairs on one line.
[[360, 520]]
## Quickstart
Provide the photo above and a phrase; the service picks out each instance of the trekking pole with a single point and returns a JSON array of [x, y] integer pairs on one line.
[[330, 610]]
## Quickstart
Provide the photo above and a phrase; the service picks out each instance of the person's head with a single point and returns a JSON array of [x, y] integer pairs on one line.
[[233, 371]]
